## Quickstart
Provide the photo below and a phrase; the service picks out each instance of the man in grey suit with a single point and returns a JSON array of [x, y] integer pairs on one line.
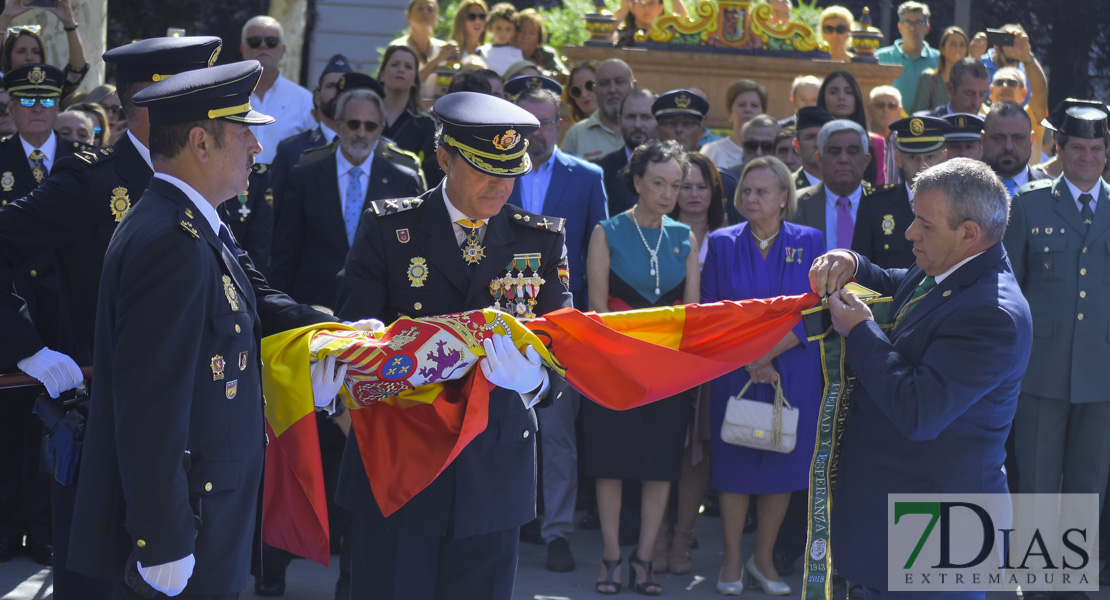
[[1057, 239], [831, 205]]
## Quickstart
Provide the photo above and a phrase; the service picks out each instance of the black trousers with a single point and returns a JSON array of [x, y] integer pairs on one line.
[[388, 563], [24, 488]]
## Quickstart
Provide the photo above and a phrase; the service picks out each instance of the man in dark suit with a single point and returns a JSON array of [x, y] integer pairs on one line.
[[171, 483], [73, 214], [885, 214], [1008, 145], [637, 126], [1056, 239], [936, 393], [316, 220], [565, 186], [437, 254], [831, 206], [810, 120], [324, 97], [25, 159]]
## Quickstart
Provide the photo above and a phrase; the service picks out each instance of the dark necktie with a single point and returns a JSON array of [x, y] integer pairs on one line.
[[38, 165], [918, 293], [225, 237], [1086, 212]]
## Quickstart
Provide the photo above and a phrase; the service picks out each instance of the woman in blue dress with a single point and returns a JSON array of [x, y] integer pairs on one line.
[[638, 259], [762, 258]]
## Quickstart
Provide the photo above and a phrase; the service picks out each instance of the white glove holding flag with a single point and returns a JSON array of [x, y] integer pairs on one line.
[[504, 365], [169, 578], [327, 380]]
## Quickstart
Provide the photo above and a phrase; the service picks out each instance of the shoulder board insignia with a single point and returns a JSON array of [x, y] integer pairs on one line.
[[399, 150], [190, 229], [539, 221], [314, 154], [91, 157], [382, 208], [1039, 184], [260, 168], [5, 138]]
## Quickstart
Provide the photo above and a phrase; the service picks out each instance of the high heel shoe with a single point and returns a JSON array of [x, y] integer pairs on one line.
[[649, 587], [611, 568], [771, 588], [734, 588]]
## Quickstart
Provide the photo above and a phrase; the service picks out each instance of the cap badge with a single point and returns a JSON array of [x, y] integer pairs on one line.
[[217, 368], [534, 83], [7, 180], [120, 203], [215, 55], [961, 122], [229, 291], [888, 224], [917, 127], [418, 271], [506, 140], [36, 76], [682, 101]]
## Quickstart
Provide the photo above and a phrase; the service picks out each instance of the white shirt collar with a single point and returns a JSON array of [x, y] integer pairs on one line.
[[343, 165], [813, 179], [853, 198], [202, 205], [454, 213], [143, 150], [329, 135], [953, 268], [1021, 178], [1075, 191], [49, 148]]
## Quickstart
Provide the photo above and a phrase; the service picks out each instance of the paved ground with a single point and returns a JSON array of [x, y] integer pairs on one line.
[[22, 579]]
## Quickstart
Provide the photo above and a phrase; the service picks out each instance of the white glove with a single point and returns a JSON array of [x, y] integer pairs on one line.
[[504, 365], [55, 370], [326, 382], [169, 578], [371, 325]]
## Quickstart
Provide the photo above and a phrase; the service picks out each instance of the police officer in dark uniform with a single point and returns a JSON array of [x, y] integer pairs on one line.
[[964, 137], [437, 254], [175, 439], [73, 214], [885, 214], [25, 160]]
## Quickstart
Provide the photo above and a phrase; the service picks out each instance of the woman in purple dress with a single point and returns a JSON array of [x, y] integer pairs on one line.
[[762, 258]]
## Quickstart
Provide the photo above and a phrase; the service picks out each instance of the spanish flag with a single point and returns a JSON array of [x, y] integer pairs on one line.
[[414, 387]]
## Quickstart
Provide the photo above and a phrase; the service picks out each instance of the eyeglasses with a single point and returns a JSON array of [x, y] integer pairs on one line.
[[43, 102], [914, 22], [272, 41], [114, 110], [17, 29], [475, 16], [369, 126], [546, 123], [830, 29], [758, 146], [1010, 83], [884, 105], [576, 92]]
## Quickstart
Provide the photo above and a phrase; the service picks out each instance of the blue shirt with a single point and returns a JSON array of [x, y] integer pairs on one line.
[[533, 186], [911, 67]]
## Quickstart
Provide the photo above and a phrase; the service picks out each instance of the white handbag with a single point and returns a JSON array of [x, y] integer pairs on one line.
[[761, 425]]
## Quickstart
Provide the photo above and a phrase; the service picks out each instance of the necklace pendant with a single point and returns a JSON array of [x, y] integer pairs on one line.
[[652, 272], [657, 292], [763, 244]]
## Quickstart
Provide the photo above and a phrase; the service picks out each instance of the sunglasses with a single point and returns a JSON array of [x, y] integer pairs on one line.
[[17, 29], [369, 126], [475, 16], [576, 92], [43, 102], [97, 131], [756, 146], [272, 41], [1010, 83], [830, 29], [884, 105]]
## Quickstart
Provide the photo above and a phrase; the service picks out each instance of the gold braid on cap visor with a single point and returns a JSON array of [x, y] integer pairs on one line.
[[475, 156], [229, 111]]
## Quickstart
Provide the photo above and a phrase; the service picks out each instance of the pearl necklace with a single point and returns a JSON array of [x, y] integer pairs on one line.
[[764, 243], [653, 263]]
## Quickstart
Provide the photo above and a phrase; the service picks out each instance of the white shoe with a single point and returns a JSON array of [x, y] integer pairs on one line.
[[730, 589], [771, 588]]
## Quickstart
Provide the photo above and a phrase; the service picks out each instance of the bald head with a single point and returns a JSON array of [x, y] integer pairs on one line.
[[613, 79]]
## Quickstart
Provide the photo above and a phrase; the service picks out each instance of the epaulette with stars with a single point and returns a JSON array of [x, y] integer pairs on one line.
[[187, 225], [260, 168], [526, 219], [95, 156], [393, 206]]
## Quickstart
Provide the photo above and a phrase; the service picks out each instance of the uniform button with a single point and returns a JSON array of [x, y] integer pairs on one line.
[[417, 306], [1084, 250], [208, 487], [1083, 271], [4, 203], [886, 246], [1082, 294], [525, 434], [141, 543], [1079, 316], [1046, 249], [238, 329], [34, 273]]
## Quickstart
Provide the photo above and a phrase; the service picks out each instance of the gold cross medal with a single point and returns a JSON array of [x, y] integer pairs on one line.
[[120, 203], [7, 180], [418, 271], [473, 252], [231, 293], [39, 175]]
